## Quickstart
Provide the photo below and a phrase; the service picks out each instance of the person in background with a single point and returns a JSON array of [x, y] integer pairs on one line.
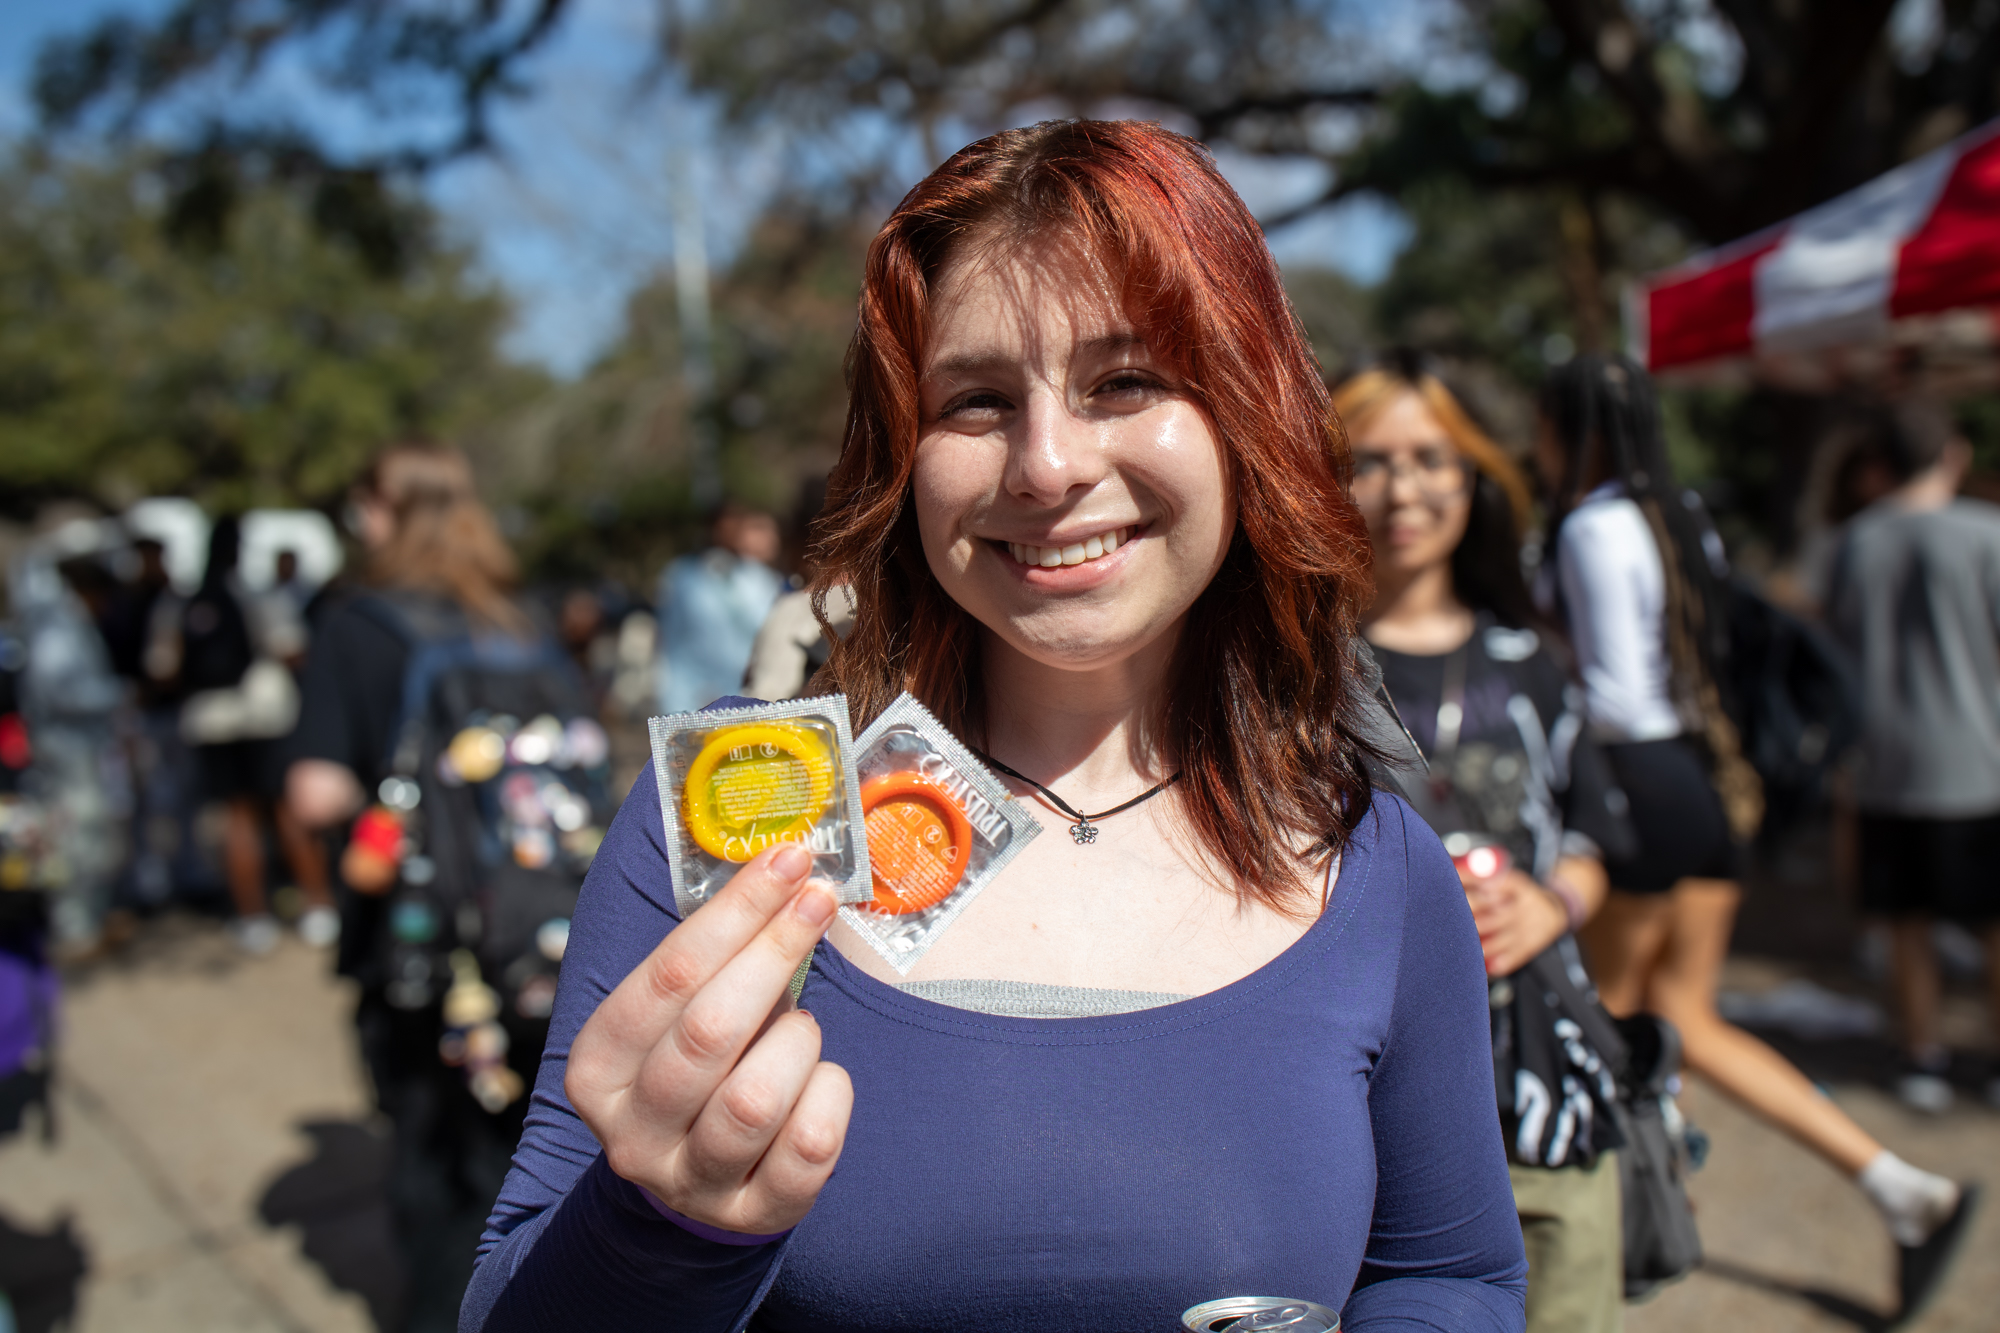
[[711, 605], [423, 531], [1639, 588], [69, 698], [1862, 475], [1916, 598], [145, 613], [1464, 659], [127, 618], [790, 645], [227, 657], [586, 636], [279, 613], [288, 583]]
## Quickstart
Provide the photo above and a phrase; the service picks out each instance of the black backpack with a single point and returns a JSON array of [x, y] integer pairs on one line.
[[493, 857], [1661, 1150], [1796, 699], [216, 649]]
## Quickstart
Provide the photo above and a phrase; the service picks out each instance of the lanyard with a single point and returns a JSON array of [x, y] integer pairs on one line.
[[1450, 721]]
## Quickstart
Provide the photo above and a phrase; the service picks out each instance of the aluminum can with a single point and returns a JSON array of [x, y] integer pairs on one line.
[[1265, 1314], [1477, 854]]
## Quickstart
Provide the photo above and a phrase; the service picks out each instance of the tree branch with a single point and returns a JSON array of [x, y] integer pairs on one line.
[[1217, 119]]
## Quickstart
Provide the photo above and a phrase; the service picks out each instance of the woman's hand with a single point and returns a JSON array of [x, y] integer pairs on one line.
[[701, 1081], [1517, 918]]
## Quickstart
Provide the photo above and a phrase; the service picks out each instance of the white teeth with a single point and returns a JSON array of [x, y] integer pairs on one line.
[[1049, 557]]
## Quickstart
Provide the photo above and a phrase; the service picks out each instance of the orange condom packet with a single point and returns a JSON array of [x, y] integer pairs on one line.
[[940, 827], [737, 781]]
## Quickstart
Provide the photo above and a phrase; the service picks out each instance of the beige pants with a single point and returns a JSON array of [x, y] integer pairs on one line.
[[1575, 1239]]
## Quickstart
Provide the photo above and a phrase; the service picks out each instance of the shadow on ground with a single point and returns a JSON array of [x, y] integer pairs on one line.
[[1832, 1302], [338, 1198], [39, 1275]]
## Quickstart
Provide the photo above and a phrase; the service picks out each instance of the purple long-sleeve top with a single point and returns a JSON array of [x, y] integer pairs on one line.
[[1322, 1129]]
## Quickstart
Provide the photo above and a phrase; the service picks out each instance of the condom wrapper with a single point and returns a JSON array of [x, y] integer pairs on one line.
[[737, 781], [939, 826]]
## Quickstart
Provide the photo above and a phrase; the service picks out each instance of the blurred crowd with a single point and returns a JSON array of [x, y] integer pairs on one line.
[[216, 713]]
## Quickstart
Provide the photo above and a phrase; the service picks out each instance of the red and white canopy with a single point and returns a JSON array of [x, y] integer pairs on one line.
[[1900, 274]]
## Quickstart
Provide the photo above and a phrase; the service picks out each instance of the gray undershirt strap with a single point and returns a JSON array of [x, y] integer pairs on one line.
[[1034, 999]]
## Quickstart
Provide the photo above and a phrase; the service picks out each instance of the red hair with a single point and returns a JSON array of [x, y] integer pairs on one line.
[[1263, 710]]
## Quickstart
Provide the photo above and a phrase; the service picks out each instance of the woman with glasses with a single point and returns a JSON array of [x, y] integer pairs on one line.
[[1638, 581], [1518, 795]]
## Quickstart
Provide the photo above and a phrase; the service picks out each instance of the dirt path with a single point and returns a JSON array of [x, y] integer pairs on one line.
[[1793, 1248], [194, 1085]]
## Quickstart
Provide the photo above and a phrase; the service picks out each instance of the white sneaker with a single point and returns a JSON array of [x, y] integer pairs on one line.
[[1924, 1092], [256, 935], [319, 926]]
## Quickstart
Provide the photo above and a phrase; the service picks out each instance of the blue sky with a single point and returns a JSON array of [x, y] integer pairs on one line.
[[575, 211]]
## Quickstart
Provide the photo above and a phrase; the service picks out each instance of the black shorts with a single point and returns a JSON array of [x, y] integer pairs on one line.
[[237, 769], [1676, 814], [1931, 867]]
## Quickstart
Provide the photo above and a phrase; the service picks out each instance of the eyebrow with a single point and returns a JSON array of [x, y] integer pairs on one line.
[[973, 364]]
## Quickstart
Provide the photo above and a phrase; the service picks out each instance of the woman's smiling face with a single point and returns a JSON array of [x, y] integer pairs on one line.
[[1071, 495]]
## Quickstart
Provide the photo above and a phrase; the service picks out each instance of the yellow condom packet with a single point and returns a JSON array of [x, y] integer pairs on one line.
[[735, 782], [939, 827]]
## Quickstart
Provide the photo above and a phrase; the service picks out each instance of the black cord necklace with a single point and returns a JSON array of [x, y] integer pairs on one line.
[[1084, 830]]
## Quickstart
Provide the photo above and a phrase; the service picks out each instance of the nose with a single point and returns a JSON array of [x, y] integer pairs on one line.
[[1052, 451], [1404, 487]]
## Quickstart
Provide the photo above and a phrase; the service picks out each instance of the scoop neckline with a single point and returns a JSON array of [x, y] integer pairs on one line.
[[832, 967]]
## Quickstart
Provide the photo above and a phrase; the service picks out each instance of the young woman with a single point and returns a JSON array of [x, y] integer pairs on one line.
[[426, 537], [1455, 633], [1637, 584], [220, 639], [1090, 506]]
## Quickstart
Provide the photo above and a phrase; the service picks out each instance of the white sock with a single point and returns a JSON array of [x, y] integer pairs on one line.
[[1914, 1202]]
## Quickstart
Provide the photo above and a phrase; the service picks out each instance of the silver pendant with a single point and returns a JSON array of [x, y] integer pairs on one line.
[[1084, 832]]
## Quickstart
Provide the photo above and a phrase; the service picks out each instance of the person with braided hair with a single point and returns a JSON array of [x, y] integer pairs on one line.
[[1638, 577]]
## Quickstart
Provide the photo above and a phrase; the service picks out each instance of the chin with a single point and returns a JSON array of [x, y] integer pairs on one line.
[[1078, 643]]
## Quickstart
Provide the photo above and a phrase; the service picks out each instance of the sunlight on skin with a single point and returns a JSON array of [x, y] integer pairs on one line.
[[1047, 421], [1415, 610]]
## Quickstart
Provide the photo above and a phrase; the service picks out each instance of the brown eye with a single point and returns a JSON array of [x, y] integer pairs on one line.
[[1127, 384], [979, 403]]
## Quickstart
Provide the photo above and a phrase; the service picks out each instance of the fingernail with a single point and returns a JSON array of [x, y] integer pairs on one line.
[[807, 1015], [815, 906], [791, 861]]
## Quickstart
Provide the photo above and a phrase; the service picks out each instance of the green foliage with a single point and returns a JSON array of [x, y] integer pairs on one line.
[[1337, 315], [257, 362], [601, 468], [1481, 279]]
